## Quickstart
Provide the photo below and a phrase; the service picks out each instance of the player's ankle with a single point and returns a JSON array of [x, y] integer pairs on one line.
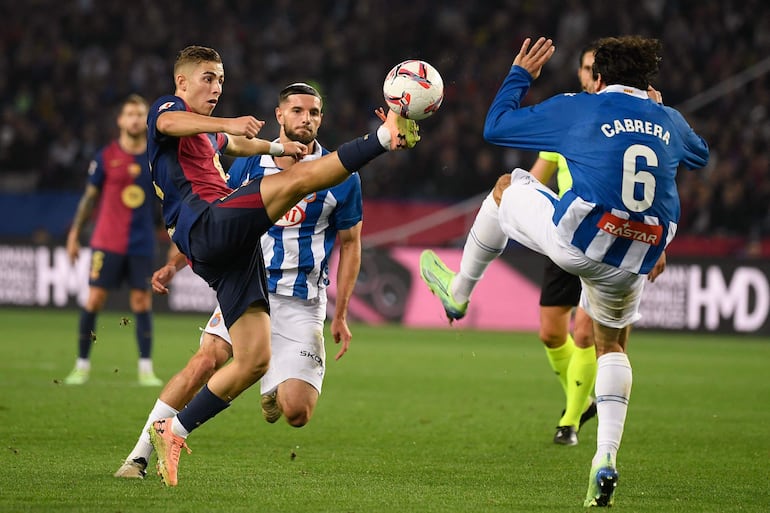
[[383, 135]]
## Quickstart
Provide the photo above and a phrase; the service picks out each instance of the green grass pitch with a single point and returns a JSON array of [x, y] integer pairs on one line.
[[409, 421]]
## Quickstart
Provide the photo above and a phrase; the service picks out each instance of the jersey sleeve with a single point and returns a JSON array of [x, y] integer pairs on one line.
[[167, 103], [535, 128], [96, 170], [349, 211], [696, 150]]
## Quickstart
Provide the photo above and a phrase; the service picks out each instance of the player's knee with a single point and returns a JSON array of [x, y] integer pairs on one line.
[[502, 183], [141, 303], [552, 338], [297, 415], [201, 367], [583, 339], [253, 369]]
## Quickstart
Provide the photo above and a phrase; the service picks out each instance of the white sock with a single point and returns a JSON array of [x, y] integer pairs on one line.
[[178, 429], [613, 390], [145, 366], [83, 364], [383, 135], [143, 447], [485, 242]]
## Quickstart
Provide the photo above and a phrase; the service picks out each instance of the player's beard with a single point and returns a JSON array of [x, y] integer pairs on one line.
[[306, 137], [137, 133]]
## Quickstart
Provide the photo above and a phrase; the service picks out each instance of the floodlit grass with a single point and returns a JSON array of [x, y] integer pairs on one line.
[[409, 421]]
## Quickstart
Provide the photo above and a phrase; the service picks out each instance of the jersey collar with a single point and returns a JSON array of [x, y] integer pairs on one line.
[[617, 88]]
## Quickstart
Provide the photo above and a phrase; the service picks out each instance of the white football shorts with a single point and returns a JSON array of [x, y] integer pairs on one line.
[[610, 295], [297, 340]]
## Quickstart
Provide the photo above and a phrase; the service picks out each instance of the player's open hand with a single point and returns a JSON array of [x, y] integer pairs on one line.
[[161, 278], [341, 333], [533, 59], [247, 126], [658, 269]]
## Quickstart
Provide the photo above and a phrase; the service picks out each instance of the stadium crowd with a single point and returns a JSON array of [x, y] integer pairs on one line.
[[65, 67]]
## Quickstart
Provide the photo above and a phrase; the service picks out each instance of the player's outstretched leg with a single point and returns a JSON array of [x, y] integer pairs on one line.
[[168, 447], [438, 277], [601, 484]]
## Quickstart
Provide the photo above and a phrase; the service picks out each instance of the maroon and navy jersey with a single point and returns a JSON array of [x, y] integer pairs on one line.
[[186, 171], [125, 215]]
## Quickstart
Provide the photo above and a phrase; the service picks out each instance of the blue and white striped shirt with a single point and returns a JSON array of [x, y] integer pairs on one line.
[[297, 247], [623, 151]]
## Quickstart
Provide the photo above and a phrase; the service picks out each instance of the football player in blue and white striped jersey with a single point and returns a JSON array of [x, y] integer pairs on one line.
[[622, 211], [611, 227]]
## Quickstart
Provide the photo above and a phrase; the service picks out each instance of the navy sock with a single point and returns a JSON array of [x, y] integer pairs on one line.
[[86, 333], [144, 333], [354, 154], [202, 407]]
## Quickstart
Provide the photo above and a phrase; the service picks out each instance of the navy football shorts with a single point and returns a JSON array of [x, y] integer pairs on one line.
[[109, 270], [226, 251]]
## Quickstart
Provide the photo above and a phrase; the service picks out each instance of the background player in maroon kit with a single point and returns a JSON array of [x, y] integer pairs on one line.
[[123, 240]]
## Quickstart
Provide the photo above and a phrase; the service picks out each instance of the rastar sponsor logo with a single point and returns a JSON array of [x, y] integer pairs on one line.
[[634, 230]]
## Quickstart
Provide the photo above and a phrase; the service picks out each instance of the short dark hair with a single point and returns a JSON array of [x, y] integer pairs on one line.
[[627, 60], [195, 54], [297, 88], [590, 47]]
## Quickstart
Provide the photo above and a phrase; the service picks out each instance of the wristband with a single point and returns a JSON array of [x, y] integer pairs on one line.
[[276, 149]]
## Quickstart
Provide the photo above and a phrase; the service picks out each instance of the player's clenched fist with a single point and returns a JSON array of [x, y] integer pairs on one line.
[[247, 126], [294, 149]]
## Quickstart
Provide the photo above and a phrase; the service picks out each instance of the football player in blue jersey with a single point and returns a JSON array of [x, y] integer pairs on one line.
[[297, 251], [572, 357], [612, 227]]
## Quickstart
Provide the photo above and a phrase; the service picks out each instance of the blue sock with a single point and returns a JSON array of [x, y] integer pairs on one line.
[[144, 333], [86, 330], [202, 407], [354, 154]]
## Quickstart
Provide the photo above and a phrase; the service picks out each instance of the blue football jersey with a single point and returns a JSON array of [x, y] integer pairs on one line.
[[297, 247], [623, 150]]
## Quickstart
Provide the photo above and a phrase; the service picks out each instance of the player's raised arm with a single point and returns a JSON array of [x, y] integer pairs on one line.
[[179, 123], [240, 146], [504, 121]]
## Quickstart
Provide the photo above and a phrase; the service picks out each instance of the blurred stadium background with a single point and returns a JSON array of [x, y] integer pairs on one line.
[[64, 73]]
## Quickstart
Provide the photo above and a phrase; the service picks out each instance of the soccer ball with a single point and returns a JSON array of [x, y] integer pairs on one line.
[[413, 89]]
